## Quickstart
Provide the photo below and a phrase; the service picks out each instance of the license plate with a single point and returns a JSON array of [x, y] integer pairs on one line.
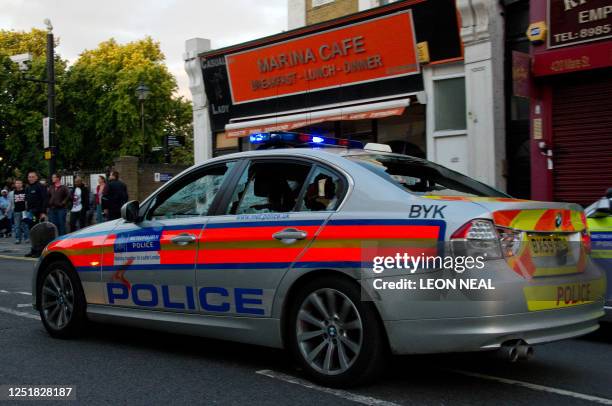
[[548, 245]]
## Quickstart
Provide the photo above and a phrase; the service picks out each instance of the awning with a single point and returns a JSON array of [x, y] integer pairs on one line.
[[292, 121]]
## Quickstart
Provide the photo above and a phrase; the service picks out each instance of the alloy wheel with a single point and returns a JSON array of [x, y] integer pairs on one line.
[[57, 299], [329, 331]]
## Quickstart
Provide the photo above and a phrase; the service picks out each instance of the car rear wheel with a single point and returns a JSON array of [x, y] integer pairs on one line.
[[62, 302], [334, 335]]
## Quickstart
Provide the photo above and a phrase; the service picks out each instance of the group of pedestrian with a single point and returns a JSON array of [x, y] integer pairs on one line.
[[24, 206]]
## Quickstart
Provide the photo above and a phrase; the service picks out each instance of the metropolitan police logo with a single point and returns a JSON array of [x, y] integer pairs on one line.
[[558, 220]]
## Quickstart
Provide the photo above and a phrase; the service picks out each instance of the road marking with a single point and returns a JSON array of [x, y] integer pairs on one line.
[[20, 314], [537, 387], [25, 293], [4, 291], [366, 400], [18, 258], [24, 305]]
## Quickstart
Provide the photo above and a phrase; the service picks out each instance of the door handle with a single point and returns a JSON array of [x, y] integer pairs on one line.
[[289, 235], [183, 239]]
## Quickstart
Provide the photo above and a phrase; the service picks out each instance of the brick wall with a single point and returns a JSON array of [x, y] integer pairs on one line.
[[140, 179], [334, 9], [146, 177], [127, 166]]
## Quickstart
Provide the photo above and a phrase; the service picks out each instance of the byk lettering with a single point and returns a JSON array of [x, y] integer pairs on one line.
[[426, 212]]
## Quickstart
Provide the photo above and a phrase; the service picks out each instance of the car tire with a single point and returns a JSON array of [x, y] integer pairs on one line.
[[329, 312], [61, 300]]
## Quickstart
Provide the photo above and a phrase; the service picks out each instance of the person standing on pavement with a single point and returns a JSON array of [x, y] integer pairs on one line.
[[80, 205], [17, 199], [36, 198], [59, 197], [116, 196], [100, 191], [91, 207], [5, 223], [36, 204]]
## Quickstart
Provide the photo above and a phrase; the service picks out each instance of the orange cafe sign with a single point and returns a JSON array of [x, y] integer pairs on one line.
[[368, 51]]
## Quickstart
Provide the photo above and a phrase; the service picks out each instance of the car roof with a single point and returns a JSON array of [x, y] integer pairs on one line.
[[312, 152], [333, 155]]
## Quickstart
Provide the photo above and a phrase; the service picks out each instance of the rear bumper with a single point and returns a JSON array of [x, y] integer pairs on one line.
[[608, 310], [489, 332]]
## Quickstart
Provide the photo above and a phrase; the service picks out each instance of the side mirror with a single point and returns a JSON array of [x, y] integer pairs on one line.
[[602, 208], [129, 211]]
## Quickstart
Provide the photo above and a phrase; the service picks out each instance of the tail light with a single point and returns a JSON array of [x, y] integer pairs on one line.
[[477, 238]]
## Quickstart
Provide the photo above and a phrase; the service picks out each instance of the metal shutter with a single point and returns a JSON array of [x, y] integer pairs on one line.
[[582, 136]]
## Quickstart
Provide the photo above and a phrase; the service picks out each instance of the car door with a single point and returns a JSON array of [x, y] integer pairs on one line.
[[268, 218], [153, 260], [600, 226]]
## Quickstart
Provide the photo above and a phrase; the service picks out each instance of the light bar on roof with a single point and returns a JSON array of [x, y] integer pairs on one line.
[[297, 139]]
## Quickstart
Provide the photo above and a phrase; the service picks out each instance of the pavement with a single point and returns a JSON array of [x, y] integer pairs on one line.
[[120, 365], [9, 248]]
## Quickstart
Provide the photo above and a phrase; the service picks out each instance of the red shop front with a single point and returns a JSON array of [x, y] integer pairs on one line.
[[571, 100]]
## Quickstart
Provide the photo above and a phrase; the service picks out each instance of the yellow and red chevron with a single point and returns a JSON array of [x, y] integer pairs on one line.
[[541, 220]]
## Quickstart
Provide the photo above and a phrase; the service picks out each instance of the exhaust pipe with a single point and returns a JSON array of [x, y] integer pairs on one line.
[[515, 350], [525, 351], [509, 352]]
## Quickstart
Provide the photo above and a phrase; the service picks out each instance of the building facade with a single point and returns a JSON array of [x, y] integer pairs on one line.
[[571, 93], [424, 76]]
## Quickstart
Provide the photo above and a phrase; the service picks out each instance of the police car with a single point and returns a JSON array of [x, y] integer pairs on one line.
[[275, 247], [599, 221]]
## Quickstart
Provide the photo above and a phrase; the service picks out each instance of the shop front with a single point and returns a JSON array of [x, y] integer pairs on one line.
[[571, 112], [398, 74]]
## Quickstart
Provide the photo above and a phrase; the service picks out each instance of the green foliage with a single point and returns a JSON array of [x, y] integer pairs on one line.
[[23, 104], [98, 112], [20, 42], [180, 123]]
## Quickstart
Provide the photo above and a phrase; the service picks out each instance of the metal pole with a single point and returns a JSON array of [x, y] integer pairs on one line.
[[142, 125], [51, 100], [166, 150]]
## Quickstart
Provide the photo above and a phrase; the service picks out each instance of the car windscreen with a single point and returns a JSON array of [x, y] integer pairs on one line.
[[422, 177]]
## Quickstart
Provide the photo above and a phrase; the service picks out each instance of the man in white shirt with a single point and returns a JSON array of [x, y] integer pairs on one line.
[[80, 203]]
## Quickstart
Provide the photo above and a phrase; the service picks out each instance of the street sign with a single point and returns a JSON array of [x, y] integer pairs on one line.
[[46, 133], [48, 154], [162, 177], [174, 141]]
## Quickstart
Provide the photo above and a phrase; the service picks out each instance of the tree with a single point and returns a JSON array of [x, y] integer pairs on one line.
[[23, 104], [97, 111], [180, 123], [21, 42], [104, 111]]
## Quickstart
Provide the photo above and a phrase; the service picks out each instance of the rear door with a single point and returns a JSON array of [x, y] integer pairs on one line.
[[153, 265], [267, 220], [601, 240]]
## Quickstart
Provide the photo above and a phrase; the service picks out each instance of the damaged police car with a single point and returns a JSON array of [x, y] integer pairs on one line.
[[274, 247]]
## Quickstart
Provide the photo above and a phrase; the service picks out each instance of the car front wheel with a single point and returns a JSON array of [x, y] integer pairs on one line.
[[334, 335], [62, 302]]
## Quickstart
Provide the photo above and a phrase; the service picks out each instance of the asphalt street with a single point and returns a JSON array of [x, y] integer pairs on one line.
[[119, 365]]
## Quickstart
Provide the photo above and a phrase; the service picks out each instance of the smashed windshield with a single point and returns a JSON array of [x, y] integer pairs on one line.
[[422, 177]]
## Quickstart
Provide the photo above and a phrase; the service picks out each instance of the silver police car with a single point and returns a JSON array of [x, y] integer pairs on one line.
[[339, 254]]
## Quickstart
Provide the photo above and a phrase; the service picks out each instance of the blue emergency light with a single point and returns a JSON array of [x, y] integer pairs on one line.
[[300, 139]]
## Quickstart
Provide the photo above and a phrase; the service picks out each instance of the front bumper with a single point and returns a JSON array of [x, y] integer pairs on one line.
[[489, 332], [34, 280]]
